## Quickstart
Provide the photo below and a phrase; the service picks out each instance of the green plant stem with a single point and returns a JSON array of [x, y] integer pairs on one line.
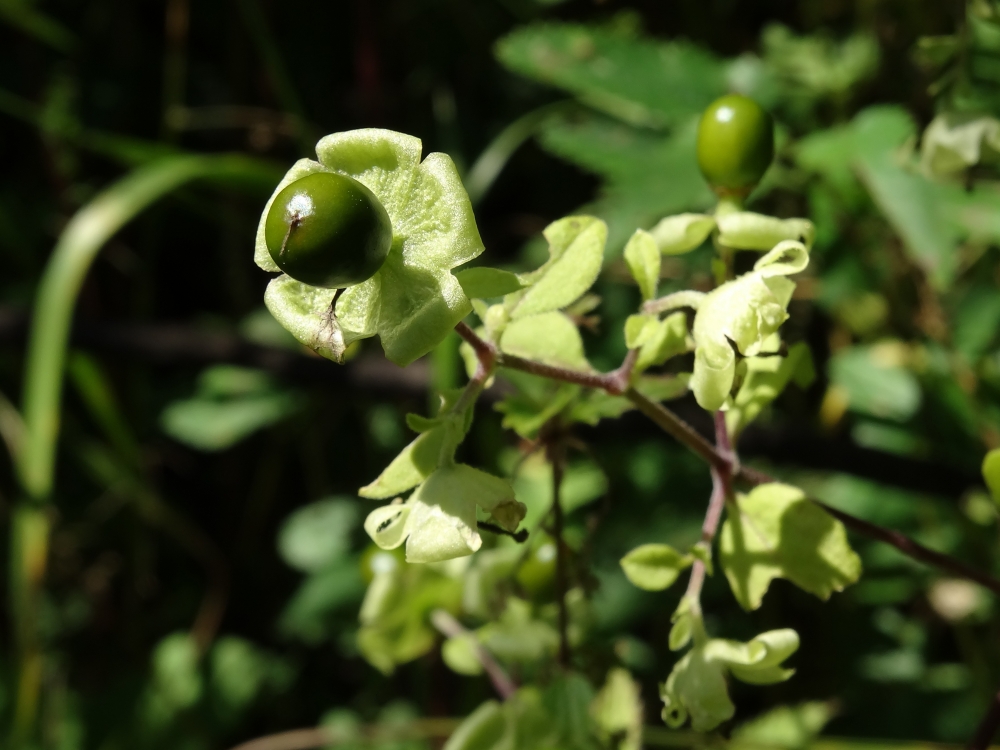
[[60, 285], [487, 167], [684, 433]]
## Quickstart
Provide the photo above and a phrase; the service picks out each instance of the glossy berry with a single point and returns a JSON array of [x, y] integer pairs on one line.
[[735, 144], [328, 230]]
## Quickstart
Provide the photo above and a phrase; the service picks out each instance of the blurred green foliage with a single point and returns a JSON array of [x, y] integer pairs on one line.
[[200, 478]]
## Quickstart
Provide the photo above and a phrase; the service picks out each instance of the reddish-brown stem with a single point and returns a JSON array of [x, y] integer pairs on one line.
[[722, 491], [683, 432], [452, 628]]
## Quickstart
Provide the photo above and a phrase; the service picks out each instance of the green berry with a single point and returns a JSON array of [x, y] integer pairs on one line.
[[735, 144], [328, 230]]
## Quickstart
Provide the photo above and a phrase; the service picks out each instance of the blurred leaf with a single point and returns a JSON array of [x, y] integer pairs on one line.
[[646, 176], [789, 727], [977, 321], [240, 671], [176, 678], [991, 473], [317, 535], [778, 533], [765, 379], [307, 614], [640, 81], [230, 404], [481, 730], [617, 711], [21, 14], [874, 383], [459, 653]]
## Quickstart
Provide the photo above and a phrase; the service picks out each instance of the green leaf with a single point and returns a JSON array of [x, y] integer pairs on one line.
[[176, 678], [744, 230], [791, 727], [776, 532], [486, 283], [534, 403], [654, 567], [317, 535], [643, 258], [617, 711], [876, 382], [991, 473], [551, 338], [412, 466], [696, 688], [757, 662], [955, 141], [413, 301], [637, 80], [667, 339], [568, 698], [676, 235], [765, 379], [483, 729], [517, 636], [230, 404], [459, 653], [646, 175], [438, 522], [576, 253], [743, 313]]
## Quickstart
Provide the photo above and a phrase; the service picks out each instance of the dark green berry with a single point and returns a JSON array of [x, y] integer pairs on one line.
[[735, 144], [328, 230]]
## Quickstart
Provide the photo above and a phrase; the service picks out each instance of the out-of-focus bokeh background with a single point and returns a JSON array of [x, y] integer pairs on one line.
[[207, 562]]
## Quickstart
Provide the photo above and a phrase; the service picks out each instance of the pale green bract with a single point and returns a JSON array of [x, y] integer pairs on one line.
[[745, 230], [654, 567], [777, 532], [676, 235], [696, 688], [438, 522], [643, 258], [740, 316], [413, 300]]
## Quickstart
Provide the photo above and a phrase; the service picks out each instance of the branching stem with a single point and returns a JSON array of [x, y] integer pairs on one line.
[[617, 383], [449, 627]]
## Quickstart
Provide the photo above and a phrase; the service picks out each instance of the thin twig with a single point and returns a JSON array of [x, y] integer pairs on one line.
[[452, 628], [683, 432], [988, 727]]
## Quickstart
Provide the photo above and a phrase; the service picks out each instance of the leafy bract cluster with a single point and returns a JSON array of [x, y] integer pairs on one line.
[[438, 505], [413, 300]]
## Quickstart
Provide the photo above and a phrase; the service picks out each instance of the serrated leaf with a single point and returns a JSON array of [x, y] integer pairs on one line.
[[576, 253], [682, 233], [412, 466], [413, 301], [745, 230], [643, 258], [551, 338], [776, 532], [646, 175], [638, 80], [487, 283], [654, 567], [766, 377]]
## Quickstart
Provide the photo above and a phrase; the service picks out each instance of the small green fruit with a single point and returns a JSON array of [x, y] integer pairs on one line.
[[735, 144], [328, 230]]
